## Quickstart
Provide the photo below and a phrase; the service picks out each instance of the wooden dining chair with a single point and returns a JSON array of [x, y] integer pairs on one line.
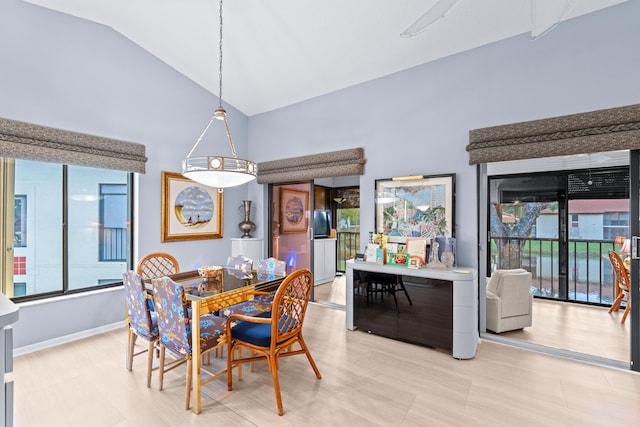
[[175, 331], [157, 264], [271, 338], [623, 284]]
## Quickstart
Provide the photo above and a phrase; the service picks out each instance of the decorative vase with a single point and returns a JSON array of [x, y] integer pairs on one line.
[[447, 257], [246, 226]]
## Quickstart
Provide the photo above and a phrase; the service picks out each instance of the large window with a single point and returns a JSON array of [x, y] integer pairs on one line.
[[78, 222]]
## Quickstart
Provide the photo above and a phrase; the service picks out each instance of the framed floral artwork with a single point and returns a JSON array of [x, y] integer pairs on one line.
[[190, 211], [294, 206], [415, 206]]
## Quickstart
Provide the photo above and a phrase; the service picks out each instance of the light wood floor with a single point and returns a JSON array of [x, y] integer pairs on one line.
[[367, 381], [585, 329]]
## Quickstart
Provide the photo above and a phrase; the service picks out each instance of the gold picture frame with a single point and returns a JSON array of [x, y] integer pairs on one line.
[[190, 211], [294, 207]]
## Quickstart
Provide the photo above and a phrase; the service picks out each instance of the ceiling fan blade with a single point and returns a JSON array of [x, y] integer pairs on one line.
[[547, 14], [437, 12]]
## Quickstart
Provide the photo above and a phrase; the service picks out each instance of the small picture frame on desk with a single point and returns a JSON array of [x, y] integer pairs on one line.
[[414, 262]]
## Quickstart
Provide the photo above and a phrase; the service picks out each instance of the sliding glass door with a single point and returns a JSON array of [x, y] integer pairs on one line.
[[560, 226], [527, 229]]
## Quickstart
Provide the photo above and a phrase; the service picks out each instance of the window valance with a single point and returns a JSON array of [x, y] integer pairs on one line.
[[34, 142], [325, 165], [596, 131]]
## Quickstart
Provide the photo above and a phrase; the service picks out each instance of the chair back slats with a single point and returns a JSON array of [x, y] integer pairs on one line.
[[140, 320], [173, 321], [622, 277], [157, 264], [290, 305]]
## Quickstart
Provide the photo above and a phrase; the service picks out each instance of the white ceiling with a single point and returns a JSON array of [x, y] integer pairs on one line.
[[280, 52]]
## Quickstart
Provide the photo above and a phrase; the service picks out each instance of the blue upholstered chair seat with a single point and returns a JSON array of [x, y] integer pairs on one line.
[[254, 333]]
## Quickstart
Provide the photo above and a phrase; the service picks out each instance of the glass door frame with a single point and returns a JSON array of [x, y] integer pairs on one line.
[[482, 184], [634, 228], [270, 219]]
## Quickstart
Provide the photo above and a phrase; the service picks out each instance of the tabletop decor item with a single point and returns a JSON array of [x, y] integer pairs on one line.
[[247, 226]]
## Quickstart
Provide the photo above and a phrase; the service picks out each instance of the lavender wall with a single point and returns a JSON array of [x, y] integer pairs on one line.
[[417, 121], [61, 71]]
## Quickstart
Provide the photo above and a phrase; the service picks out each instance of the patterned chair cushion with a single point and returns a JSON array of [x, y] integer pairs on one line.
[[272, 265], [174, 326], [260, 304], [142, 321], [241, 263]]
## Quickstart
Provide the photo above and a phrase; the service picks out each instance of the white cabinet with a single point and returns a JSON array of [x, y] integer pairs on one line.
[[251, 248], [324, 260]]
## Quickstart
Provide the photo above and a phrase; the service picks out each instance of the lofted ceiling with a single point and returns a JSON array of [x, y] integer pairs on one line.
[[280, 52]]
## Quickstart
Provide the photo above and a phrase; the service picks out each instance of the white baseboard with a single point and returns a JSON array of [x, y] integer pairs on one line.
[[66, 339]]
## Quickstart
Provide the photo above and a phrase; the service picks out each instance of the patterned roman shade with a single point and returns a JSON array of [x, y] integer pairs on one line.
[[325, 165], [596, 131], [33, 142]]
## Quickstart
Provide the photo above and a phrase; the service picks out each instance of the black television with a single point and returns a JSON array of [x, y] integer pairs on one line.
[[321, 224]]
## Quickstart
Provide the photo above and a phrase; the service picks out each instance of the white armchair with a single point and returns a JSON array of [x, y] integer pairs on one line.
[[509, 300]]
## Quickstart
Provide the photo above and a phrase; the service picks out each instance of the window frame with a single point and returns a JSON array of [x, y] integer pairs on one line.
[[65, 290]]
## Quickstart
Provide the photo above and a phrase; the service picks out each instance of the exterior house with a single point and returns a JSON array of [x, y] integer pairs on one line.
[[589, 220]]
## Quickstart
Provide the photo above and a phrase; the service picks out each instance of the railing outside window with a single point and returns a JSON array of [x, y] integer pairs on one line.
[[113, 244], [590, 275], [348, 246]]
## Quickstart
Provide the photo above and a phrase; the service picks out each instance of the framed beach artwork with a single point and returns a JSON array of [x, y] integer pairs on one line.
[[415, 206], [190, 211]]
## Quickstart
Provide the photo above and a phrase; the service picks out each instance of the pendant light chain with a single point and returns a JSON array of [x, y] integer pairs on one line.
[[216, 170], [220, 69]]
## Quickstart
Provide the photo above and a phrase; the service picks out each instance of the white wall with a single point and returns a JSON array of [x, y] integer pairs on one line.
[[60, 71]]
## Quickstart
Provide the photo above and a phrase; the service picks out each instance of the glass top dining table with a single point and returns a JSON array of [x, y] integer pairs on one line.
[[221, 288], [226, 286]]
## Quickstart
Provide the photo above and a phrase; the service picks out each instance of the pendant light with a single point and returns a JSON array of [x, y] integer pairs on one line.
[[216, 170]]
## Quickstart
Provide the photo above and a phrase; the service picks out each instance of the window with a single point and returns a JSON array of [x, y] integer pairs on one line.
[[77, 219], [113, 217], [20, 221]]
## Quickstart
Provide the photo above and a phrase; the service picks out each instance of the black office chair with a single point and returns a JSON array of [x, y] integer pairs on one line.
[[383, 283]]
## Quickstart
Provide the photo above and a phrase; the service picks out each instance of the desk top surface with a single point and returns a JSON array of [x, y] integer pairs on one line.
[[453, 274]]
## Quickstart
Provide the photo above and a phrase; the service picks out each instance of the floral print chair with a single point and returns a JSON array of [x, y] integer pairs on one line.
[[175, 329], [240, 262], [141, 321], [260, 305]]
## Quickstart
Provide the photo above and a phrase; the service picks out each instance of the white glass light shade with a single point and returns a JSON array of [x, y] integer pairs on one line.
[[219, 171]]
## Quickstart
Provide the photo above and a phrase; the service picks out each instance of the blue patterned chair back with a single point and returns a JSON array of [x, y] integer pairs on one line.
[[173, 319], [140, 319], [240, 262], [272, 266]]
